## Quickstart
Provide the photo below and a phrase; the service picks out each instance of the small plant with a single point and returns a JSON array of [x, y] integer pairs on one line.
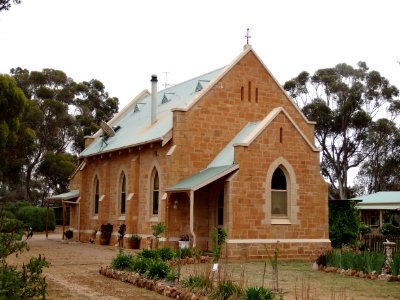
[[166, 253], [226, 289], [258, 293], [69, 234], [218, 237], [158, 229], [157, 269], [199, 284], [185, 252], [122, 261], [364, 229], [105, 233], [394, 264], [139, 265], [148, 254], [134, 241]]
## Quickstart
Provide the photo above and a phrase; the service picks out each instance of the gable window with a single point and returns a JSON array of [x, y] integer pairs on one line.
[[96, 199], [279, 194], [123, 194], [155, 193]]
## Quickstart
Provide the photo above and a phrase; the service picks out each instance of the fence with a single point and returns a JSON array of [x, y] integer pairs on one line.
[[374, 242]]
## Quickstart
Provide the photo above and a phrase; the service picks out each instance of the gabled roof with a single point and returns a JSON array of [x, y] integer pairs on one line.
[[260, 126], [380, 200], [135, 119]]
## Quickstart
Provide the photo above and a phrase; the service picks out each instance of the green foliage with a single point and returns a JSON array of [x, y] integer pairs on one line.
[[148, 253], [366, 261], [157, 269], [387, 229], [158, 229], [258, 293], [19, 284], [394, 264], [365, 229], [343, 223], [343, 101], [166, 253], [218, 237], [374, 261], [226, 289], [6, 4], [139, 265], [185, 252], [200, 284], [122, 261], [36, 217]]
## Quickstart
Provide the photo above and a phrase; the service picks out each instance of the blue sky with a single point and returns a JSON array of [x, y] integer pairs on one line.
[[123, 42]]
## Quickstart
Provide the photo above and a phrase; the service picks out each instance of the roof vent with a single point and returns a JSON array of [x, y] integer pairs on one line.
[[167, 97], [201, 84]]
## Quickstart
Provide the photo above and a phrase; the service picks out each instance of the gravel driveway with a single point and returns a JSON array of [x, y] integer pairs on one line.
[[74, 270]]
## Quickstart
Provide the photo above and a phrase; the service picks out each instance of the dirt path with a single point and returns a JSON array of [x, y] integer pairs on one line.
[[74, 270]]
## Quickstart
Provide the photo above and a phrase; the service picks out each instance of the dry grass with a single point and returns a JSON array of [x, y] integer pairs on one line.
[[299, 282]]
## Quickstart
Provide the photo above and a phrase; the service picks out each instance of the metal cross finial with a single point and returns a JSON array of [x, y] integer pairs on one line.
[[247, 36]]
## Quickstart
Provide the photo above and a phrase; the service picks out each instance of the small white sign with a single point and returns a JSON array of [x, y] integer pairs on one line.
[[215, 267]]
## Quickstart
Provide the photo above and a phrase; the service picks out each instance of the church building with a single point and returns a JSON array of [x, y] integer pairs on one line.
[[226, 149]]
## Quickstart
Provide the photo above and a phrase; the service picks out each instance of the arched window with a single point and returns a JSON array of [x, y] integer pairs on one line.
[[155, 192], [220, 209], [122, 199], [96, 198], [279, 194]]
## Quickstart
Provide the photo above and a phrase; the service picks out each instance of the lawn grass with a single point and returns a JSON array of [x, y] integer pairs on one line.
[[299, 281]]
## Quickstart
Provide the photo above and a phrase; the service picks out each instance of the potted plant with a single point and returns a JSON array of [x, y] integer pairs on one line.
[[105, 233], [158, 229], [121, 234], [69, 234], [184, 242], [134, 241]]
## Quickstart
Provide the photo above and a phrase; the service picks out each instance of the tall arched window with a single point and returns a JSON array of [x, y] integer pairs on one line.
[[122, 197], [220, 209], [279, 194], [155, 192], [96, 198]]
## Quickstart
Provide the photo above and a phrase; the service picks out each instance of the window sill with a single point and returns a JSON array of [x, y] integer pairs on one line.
[[96, 217], [121, 218], [153, 219], [280, 221]]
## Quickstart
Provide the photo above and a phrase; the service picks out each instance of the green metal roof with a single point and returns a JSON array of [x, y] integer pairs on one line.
[[65, 196], [380, 200], [202, 178], [135, 123]]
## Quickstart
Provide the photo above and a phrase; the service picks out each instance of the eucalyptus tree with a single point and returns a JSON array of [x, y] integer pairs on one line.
[[381, 169], [50, 93], [344, 101]]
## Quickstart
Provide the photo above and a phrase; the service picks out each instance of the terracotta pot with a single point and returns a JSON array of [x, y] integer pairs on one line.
[[134, 244]]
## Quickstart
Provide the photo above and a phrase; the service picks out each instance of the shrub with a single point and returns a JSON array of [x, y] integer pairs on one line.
[[258, 293], [166, 253], [395, 265], [387, 229], [35, 217], [374, 261], [139, 265], [26, 283], [226, 289], [157, 269], [122, 261], [149, 254], [185, 252], [343, 223], [200, 284]]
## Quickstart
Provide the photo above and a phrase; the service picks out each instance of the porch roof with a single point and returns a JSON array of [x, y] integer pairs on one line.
[[380, 200], [202, 178], [379, 207], [65, 196]]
